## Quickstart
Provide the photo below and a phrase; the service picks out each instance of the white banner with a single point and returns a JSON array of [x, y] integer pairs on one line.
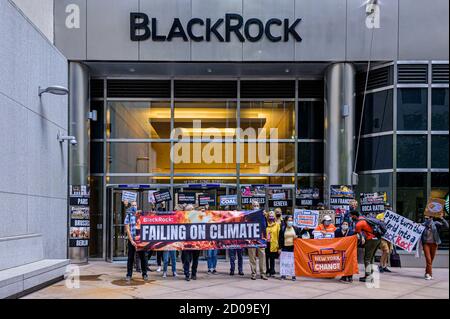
[[129, 196], [401, 231], [287, 267]]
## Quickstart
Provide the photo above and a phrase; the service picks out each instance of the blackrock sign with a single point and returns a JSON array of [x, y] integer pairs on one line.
[[198, 30]]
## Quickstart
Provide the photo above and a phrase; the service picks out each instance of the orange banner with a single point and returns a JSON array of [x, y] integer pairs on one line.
[[323, 258]]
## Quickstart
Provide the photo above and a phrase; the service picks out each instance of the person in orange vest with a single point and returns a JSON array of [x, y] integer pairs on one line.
[[326, 226]]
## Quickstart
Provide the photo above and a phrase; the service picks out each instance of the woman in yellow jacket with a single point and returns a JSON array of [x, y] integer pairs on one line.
[[273, 232]]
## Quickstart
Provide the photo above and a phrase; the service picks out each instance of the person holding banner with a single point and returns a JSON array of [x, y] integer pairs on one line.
[[130, 227], [232, 253], [190, 256], [344, 231], [370, 241], [431, 240], [286, 238], [261, 255], [272, 249]]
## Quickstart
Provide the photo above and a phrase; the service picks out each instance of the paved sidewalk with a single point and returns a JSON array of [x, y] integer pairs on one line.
[[106, 280]]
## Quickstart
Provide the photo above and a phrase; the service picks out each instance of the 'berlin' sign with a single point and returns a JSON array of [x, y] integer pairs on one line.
[[143, 28]]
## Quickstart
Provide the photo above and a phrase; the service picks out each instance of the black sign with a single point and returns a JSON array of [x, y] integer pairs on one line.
[[372, 203], [204, 200], [78, 242], [249, 200], [162, 196], [307, 197], [79, 217], [78, 201], [280, 203], [275, 30], [186, 198]]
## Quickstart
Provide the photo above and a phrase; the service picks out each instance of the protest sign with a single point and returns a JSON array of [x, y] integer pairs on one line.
[[151, 197], [320, 235], [206, 199], [435, 207], [401, 231], [340, 196], [306, 218], [287, 265], [307, 197], [228, 200], [162, 196], [372, 203], [201, 230], [280, 203], [253, 193], [129, 196], [186, 198], [324, 258], [79, 216]]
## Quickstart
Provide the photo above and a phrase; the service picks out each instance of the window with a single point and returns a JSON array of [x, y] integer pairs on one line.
[[96, 158], [310, 157], [439, 110], [411, 151], [378, 113], [310, 120], [439, 151], [139, 158], [97, 127], [139, 120], [411, 195], [412, 109], [371, 183], [375, 153]]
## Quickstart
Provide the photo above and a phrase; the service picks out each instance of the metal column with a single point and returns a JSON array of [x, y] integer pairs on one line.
[[79, 127], [339, 125]]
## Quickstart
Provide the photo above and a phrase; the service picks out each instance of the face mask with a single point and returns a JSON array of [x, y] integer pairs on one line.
[[133, 209], [271, 218], [278, 215], [344, 227], [327, 223], [290, 223]]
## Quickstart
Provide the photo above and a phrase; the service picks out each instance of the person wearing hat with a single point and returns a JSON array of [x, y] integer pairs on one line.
[[344, 231], [386, 247], [326, 226]]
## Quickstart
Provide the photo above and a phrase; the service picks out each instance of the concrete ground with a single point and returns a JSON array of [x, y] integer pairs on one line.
[[106, 280]]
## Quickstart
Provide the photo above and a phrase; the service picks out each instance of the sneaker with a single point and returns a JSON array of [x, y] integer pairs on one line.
[[231, 273], [175, 274], [164, 274], [386, 269], [241, 273], [366, 279], [187, 278], [380, 269], [344, 280], [253, 277], [128, 279], [294, 279], [428, 277], [159, 269], [282, 277], [263, 277], [209, 272], [145, 277], [194, 277], [214, 271]]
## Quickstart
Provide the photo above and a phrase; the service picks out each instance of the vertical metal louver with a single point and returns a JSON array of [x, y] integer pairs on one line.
[[440, 73], [139, 88], [378, 78], [310, 89], [96, 88], [267, 89], [413, 73], [205, 89]]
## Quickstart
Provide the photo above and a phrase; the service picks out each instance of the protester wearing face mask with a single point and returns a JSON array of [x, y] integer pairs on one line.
[[286, 239], [344, 231], [272, 249], [278, 215], [326, 226]]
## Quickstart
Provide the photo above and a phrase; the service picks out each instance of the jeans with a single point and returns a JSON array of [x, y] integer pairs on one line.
[[233, 253], [212, 259], [172, 254], [188, 256], [131, 255], [370, 249], [271, 256], [429, 250]]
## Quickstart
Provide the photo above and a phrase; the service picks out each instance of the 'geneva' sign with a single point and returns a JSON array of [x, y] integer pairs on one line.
[[143, 28]]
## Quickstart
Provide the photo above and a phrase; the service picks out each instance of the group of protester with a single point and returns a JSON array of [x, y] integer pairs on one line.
[[280, 235]]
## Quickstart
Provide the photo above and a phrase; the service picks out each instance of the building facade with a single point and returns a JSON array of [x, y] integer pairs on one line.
[[357, 92]]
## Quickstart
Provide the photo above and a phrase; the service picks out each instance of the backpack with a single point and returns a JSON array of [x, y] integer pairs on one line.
[[378, 226]]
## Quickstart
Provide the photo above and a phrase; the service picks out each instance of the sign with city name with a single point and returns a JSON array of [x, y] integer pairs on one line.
[[143, 28], [79, 216], [372, 203]]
